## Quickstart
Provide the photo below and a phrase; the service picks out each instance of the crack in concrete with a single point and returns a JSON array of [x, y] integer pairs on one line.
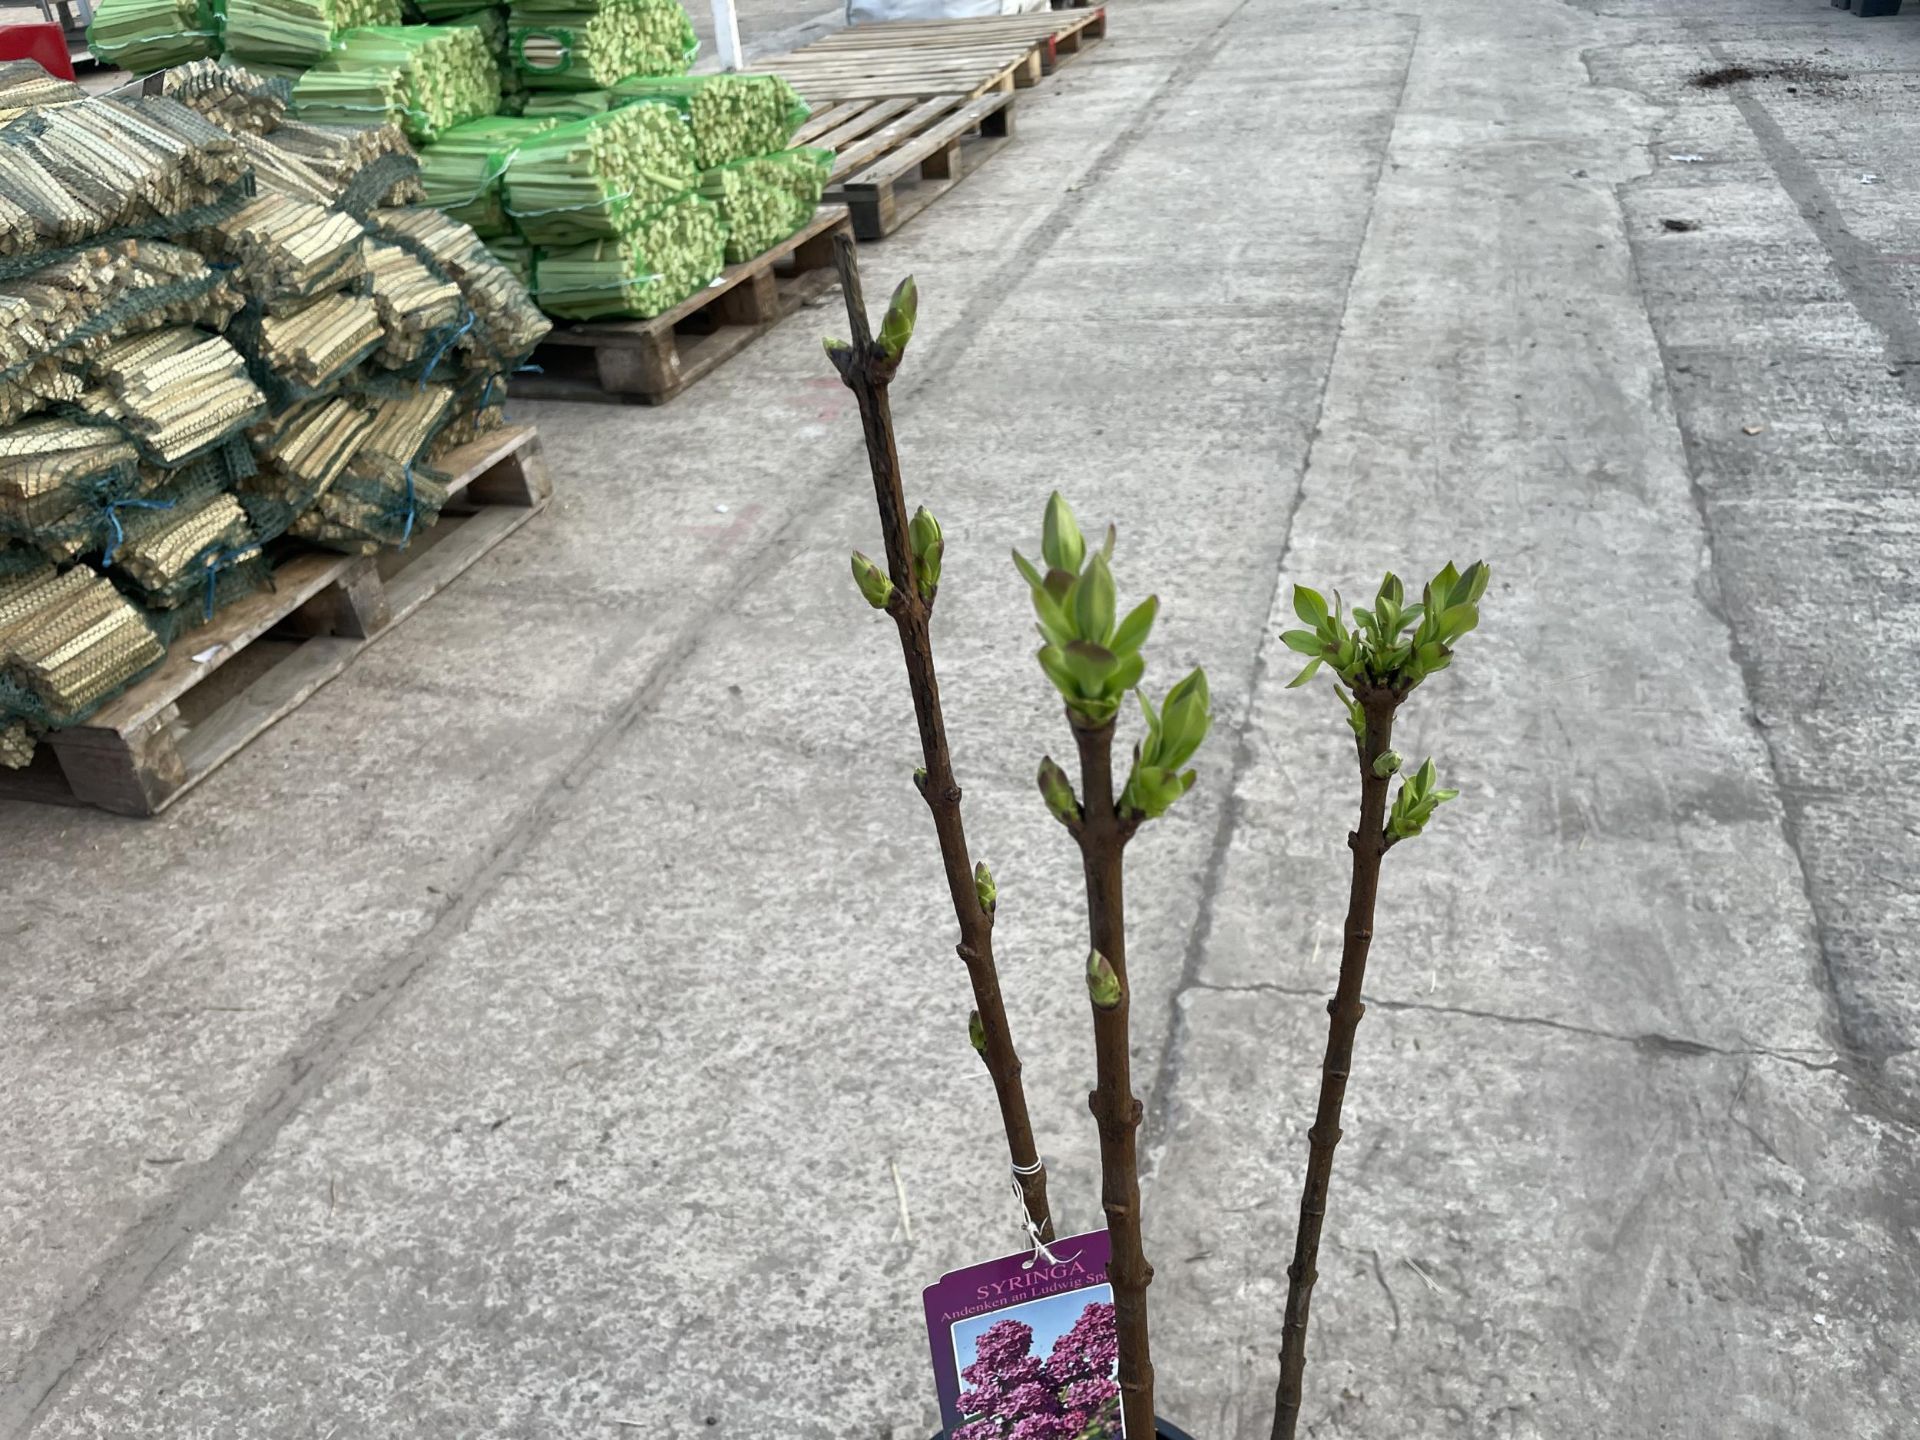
[[1649, 1042]]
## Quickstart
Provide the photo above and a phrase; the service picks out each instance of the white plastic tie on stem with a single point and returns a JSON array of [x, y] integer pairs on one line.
[[1034, 1238]]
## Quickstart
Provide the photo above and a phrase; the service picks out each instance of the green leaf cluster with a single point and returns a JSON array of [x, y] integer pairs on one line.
[[1092, 657], [1393, 644], [1420, 795], [1173, 735]]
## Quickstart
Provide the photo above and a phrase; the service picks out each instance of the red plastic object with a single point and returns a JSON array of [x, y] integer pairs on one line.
[[44, 44]]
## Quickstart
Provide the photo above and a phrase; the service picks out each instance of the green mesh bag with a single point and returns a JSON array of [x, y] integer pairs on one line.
[[657, 260], [461, 171], [575, 46], [296, 33], [148, 35], [731, 116], [567, 104], [577, 182], [765, 199], [424, 78]]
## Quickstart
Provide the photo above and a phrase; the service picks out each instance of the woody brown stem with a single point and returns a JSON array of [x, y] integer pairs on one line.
[[1368, 843], [1103, 836], [867, 374]]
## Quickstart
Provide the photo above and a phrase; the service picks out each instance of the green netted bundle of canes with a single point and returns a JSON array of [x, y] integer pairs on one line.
[[576, 182], [515, 254], [148, 35], [571, 45], [461, 170], [656, 261], [424, 78], [731, 115], [567, 104], [298, 32], [766, 198]]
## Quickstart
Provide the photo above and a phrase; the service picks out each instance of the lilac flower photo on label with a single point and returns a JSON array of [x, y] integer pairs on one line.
[[1015, 1394]]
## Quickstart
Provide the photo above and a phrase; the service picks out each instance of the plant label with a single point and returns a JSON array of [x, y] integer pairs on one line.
[[1025, 1348]]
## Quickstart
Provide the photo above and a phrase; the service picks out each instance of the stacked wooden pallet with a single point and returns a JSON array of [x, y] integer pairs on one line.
[[922, 58], [169, 731]]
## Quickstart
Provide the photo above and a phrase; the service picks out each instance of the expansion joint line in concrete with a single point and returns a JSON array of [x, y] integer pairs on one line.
[[1166, 1076], [1649, 1042]]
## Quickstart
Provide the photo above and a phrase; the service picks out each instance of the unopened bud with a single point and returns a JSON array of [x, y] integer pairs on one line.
[[897, 329], [1387, 764], [1057, 790], [872, 580], [920, 780], [1103, 986], [977, 1033], [984, 887], [923, 534]]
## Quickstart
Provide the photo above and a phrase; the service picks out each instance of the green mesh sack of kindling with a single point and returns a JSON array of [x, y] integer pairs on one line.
[[731, 115], [577, 182], [297, 32], [424, 78], [657, 260], [462, 169], [765, 199], [148, 35], [575, 45], [567, 104]]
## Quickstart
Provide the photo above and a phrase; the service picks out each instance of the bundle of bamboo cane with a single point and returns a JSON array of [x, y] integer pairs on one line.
[[462, 170], [416, 306], [764, 199], [387, 492], [68, 639], [62, 483], [25, 86], [312, 348], [577, 182], [287, 251], [148, 35], [298, 32], [731, 116], [176, 392], [170, 554], [580, 45], [307, 447], [506, 325], [652, 265], [238, 101], [424, 78]]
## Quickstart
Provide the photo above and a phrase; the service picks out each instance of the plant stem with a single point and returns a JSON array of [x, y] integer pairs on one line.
[[868, 376], [1368, 843], [1103, 834]]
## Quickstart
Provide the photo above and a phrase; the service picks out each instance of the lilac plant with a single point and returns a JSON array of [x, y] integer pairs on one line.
[[1071, 1395]]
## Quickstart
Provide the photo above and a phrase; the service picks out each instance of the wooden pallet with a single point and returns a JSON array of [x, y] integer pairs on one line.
[[652, 361], [1056, 37], [168, 732], [893, 158]]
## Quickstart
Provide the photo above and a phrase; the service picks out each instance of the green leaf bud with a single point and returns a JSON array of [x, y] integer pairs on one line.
[[1387, 764], [872, 580], [1103, 985], [984, 887], [897, 329], [923, 536], [1061, 543], [1057, 790], [977, 1033]]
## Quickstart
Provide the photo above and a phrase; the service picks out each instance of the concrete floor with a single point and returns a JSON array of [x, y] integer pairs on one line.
[[521, 1039]]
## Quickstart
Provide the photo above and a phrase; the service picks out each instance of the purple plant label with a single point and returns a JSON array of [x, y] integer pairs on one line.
[[1024, 1350]]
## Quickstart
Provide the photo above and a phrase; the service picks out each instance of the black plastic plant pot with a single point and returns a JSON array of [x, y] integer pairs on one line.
[[1166, 1431]]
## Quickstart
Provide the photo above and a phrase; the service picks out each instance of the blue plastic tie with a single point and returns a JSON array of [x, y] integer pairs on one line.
[[120, 535], [444, 346]]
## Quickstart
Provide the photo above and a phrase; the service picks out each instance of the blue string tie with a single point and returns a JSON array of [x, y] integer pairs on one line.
[[120, 535]]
